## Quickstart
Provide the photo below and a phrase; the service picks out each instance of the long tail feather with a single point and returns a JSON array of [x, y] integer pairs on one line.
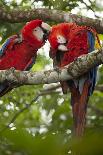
[[79, 108]]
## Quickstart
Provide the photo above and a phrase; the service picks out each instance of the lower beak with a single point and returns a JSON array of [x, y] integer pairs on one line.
[[45, 36]]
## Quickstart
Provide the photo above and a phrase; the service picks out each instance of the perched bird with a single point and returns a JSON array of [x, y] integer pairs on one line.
[[20, 51], [68, 41]]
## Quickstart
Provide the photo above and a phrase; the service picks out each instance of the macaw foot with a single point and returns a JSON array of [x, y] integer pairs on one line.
[[19, 39], [82, 55], [12, 69]]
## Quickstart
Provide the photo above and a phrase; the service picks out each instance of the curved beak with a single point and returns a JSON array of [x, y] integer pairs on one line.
[[46, 34], [62, 48], [46, 29]]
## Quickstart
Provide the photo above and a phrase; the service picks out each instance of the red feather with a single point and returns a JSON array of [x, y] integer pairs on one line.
[[77, 45], [27, 33], [20, 54]]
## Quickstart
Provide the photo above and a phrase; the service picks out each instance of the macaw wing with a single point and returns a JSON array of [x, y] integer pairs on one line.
[[8, 43], [4, 46], [93, 71], [92, 74], [5, 87], [89, 47], [30, 63]]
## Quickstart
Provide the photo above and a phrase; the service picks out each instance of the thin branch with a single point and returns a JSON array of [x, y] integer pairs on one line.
[[27, 106], [89, 7], [18, 113], [99, 88], [16, 16], [98, 111], [55, 87]]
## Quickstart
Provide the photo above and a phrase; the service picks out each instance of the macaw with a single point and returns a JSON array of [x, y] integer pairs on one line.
[[68, 41], [20, 51]]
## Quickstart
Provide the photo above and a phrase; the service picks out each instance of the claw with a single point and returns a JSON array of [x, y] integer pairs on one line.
[[12, 69]]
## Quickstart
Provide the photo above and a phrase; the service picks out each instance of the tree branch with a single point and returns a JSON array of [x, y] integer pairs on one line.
[[15, 16], [71, 71]]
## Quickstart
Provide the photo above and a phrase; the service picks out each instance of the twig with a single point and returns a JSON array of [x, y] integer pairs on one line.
[[50, 90], [89, 8], [99, 88], [98, 111], [27, 106]]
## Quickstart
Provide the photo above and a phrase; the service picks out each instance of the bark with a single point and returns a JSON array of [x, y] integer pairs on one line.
[[73, 70], [15, 16]]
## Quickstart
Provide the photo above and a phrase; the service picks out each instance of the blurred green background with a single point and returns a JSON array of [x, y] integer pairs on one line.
[[45, 127]]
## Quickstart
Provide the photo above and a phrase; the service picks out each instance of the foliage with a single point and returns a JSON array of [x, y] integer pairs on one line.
[[46, 126]]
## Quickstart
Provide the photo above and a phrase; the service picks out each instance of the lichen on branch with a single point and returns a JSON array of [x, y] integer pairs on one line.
[[16, 16]]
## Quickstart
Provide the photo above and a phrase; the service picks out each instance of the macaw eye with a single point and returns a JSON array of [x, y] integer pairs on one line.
[[35, 30], [61, 39], [38, 33]]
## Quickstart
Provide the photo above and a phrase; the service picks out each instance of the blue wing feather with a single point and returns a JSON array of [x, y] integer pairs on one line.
[[2, 52], [93, 71], [4, 46], [4, 87], [91, 76]]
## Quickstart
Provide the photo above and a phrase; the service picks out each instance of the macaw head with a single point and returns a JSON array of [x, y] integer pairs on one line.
[[58, 38], [36, 32]]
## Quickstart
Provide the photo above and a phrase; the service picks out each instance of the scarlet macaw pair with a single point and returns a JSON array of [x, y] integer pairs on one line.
[[68, 41]]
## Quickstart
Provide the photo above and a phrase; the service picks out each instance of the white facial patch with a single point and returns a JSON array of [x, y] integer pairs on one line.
[[62, 48], [61, 39], [38, 33]]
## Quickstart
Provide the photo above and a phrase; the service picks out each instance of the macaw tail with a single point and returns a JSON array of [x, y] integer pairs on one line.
[[79, 107]]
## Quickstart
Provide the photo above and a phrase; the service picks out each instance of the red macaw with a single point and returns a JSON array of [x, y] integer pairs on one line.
[[69, 41], [20, 51]]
